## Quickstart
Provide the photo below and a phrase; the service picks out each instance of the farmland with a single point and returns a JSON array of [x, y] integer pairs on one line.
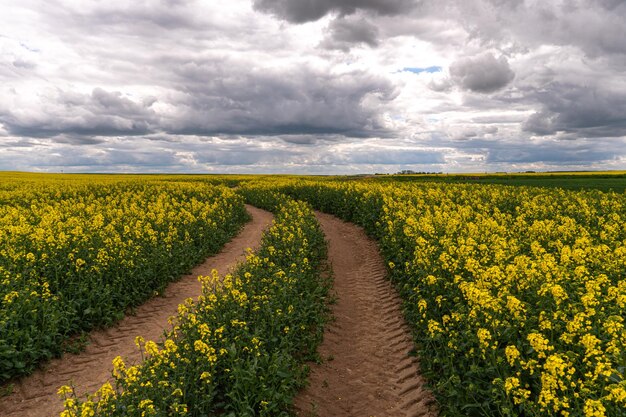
[[603, 181], [242, 339], [76, 255], [515, 295]]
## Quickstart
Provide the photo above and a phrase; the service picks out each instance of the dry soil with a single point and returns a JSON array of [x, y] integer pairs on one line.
[[366, 367]]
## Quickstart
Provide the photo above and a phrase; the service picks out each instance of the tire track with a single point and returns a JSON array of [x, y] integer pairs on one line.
[[366, 369], [35, 395]]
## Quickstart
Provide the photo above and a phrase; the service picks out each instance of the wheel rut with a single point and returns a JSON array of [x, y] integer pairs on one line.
[[366, 368], [35, 395]]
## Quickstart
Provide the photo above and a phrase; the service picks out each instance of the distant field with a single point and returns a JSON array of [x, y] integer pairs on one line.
[[598, 180], [603, 181]]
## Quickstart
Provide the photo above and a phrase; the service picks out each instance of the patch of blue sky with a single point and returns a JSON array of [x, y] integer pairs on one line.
[[417, 70]]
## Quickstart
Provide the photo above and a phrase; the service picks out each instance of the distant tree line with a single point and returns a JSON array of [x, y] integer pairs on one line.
[[411, 172]]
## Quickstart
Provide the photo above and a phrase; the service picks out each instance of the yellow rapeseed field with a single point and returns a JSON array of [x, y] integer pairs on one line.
[[75, 252], [238, 348], [516, 294]]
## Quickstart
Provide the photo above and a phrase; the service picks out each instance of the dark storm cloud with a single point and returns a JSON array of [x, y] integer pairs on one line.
[[344, 33], [300, 11], [101, 113], [581, 110], [225, 97], [482, 73]]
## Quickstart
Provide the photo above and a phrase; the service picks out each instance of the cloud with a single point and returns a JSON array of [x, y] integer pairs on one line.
[[547, 153], [192, 86], [215, 96], [344, 33], [101, 113], [24, 64], [594, 26], [300, 11], [228, 98], [384, 156], [300, 139], [482, 73], [582, 110]]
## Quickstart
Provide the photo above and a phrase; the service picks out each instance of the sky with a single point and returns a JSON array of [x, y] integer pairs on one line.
[[312, 86]]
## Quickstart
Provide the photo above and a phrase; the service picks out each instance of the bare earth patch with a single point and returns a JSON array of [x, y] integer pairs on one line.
[[366, 368], [35, 395]]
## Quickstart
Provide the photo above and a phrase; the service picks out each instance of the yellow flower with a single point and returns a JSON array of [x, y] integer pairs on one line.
[[8, 298], [118, 367], [170, 346], [512, 354], [591, 343], [87, 409], [151, 348], [147, 408], [64, 390], [434, 328], [484, 337], [106, 391], [510, 384], [139, 341], [539, 343], [594, 408]]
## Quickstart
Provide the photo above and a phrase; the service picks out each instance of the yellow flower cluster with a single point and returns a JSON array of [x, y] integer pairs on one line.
[[539, 274], [75, 252], [235, 349], [517, 293]]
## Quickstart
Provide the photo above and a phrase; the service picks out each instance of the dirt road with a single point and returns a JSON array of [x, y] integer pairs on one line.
[[366, 369], [35, 395]]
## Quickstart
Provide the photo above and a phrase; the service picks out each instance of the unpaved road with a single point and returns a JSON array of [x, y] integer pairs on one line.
[[35, 395], [366, 370]]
